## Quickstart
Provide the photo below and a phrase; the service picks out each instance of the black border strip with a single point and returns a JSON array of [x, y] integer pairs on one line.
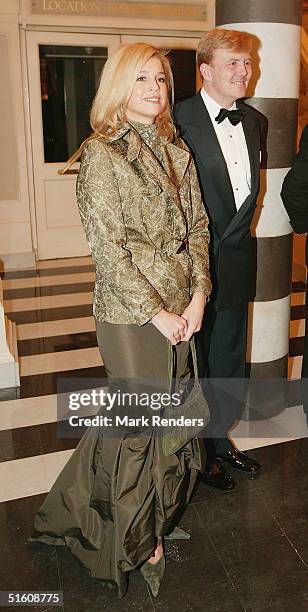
[[51, 314], [48, 290], [31, 273], [260, 11], [274, 279], [282, 115], [56, 344]]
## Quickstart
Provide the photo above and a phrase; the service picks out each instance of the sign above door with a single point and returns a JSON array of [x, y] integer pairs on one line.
[[194, 11], [123, 15]]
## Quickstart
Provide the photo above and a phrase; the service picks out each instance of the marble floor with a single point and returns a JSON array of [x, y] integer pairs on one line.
[[248, 549]]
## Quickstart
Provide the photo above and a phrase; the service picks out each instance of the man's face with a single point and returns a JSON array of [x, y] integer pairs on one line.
[[226, 78]]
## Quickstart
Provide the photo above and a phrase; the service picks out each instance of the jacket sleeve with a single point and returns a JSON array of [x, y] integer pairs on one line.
[[294, 191], [198, 238], [101, 215]]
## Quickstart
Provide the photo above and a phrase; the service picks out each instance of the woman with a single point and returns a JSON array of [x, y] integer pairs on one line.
[[140, 205]]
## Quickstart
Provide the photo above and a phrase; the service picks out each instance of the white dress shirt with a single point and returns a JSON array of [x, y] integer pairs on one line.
[[234, 148]]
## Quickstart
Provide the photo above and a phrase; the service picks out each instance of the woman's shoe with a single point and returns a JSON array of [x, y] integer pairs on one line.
[[153, 574]]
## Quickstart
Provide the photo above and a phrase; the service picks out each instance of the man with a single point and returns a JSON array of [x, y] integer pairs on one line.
[[294, 195], [224, 136]]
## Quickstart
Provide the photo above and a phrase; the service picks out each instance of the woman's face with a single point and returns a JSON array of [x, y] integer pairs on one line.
[[149, 97]]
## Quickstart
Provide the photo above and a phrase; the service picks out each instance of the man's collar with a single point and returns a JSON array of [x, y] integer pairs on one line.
[[212, 106]]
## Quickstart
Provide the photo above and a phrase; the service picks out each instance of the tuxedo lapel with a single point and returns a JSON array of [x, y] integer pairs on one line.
[[253, 147], [209, 153]]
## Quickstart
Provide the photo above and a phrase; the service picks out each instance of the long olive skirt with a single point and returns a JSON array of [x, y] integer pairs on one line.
[[115, 495]]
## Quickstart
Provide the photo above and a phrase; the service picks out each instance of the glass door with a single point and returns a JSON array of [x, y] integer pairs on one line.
[[63, 72]]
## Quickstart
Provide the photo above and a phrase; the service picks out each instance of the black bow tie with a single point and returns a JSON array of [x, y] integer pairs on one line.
[[234, 116]]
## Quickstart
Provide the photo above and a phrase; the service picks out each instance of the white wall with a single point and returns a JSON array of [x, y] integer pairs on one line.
[[15, 228]]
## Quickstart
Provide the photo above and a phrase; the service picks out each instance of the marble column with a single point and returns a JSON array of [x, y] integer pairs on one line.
[[275, 92]]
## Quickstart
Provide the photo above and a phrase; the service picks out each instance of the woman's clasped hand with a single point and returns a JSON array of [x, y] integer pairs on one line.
[[181, 328], [171, 325]]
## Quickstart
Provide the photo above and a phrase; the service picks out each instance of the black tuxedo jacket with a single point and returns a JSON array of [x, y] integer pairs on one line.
[[295, 198], [231, 243], [294, 192]]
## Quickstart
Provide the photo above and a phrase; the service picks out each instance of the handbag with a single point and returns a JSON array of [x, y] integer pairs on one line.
[[185, 421]]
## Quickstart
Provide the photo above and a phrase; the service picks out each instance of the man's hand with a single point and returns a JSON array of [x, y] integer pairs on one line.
[[194, 314], [171, 325]]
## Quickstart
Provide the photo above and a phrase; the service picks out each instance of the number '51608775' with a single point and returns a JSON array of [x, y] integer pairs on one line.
[[28, 598]]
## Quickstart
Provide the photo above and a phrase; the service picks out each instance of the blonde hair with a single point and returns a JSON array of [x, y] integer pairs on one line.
[[119, 75], [232, 40], [116, 85]]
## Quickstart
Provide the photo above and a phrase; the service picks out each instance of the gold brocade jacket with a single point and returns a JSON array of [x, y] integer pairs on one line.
[[146, 227]]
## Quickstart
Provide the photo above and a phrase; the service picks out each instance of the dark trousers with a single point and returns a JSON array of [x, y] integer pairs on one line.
[[221, 351]]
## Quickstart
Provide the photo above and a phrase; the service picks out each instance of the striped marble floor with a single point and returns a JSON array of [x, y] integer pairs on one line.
[[52, 307]]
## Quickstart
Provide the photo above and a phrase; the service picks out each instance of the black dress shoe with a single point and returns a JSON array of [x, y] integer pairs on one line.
[[240, 461], [216, 476]]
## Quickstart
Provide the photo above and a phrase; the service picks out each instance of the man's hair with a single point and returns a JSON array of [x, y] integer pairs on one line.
[[231, 40]]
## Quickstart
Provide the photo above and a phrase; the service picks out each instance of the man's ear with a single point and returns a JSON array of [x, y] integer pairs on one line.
[[205, 70]]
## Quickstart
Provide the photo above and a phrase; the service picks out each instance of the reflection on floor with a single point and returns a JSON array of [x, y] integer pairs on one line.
[[248, 550]]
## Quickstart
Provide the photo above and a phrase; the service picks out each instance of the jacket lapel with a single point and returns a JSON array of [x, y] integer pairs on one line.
[[253, 146], [176, 161], [209, 152], [167, 177]]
